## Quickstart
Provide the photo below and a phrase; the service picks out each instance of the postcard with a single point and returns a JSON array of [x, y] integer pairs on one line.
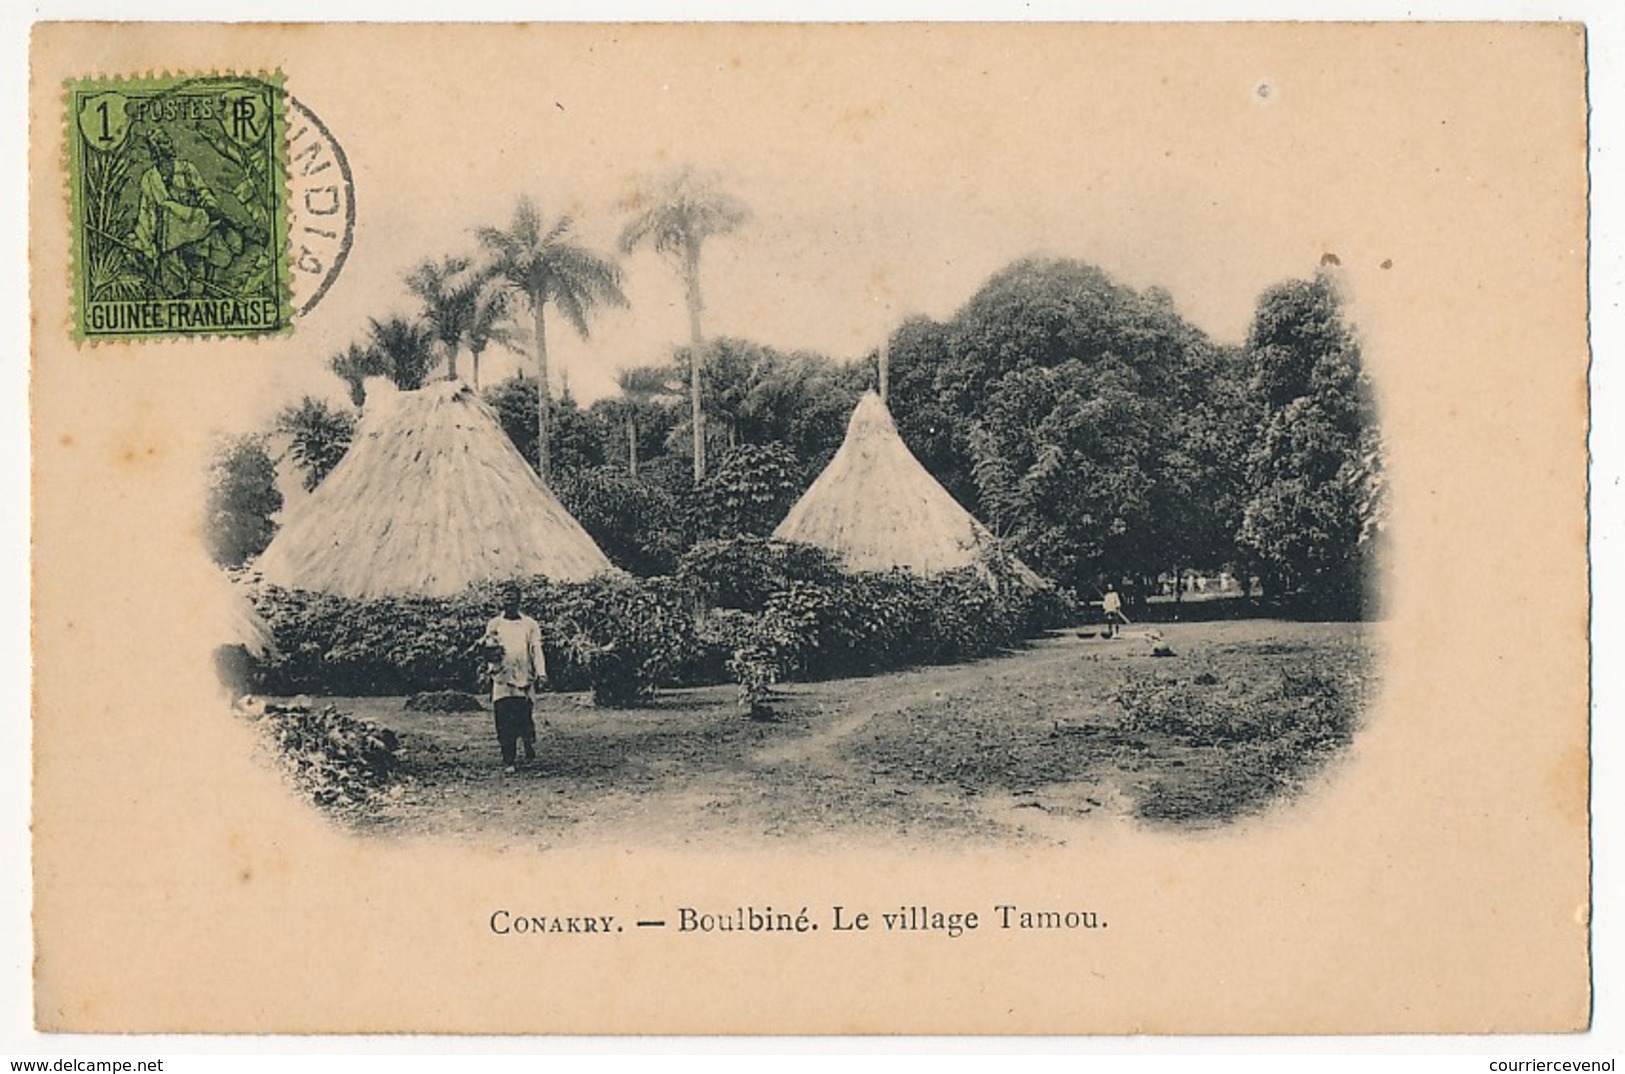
[[807, 529]]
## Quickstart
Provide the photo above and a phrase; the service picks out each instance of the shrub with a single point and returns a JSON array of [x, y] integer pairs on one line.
[[876, 621], [744, 572], [718, 634], [787, 613], [628, 636], [337, 760], [639, 526], [615, 635], [750, 490]]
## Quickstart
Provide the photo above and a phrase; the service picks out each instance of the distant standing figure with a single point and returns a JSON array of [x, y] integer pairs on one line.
[[513, 644], [1112, 606]]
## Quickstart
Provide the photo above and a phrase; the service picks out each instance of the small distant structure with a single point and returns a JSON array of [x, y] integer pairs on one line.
[[876, 507], [431, 497]]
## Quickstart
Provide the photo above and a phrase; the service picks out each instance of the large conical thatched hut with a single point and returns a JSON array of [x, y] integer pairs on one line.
[[237, 623], [431, 497], [876, 507]]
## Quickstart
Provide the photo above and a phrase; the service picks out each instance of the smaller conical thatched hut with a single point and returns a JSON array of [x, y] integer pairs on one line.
[[431, 497], [876, 507]]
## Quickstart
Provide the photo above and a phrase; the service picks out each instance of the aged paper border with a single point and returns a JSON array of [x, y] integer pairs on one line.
[[1594, 47]]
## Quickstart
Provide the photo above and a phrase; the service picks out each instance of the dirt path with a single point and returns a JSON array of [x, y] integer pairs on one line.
[[1021, 746]]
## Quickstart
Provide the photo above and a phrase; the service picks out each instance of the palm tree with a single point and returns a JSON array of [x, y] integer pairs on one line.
[[641, 386], [675, 218], [546, 266], [405, 349], [318, 436], [490, 324], [354, 365], [450, 294]]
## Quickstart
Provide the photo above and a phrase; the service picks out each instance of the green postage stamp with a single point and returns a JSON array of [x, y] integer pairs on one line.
[[179, 207]]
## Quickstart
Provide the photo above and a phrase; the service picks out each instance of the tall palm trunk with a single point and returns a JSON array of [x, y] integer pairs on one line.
[[691, 292], [544, 400], [474, 360], [632, 446], [451, 360]]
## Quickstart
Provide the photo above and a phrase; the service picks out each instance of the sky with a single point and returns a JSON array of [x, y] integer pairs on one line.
[[889, 174]]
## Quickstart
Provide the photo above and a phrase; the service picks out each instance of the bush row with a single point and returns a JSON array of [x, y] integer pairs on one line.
[[617, 636], [336, 759], [746, 610]]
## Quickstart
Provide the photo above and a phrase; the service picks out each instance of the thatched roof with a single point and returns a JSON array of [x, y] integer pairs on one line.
[[238, 623], [876, 507], [431, 497]]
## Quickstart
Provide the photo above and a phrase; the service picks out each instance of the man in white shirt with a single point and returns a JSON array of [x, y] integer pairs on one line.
[[513, 645], [1111, 607]]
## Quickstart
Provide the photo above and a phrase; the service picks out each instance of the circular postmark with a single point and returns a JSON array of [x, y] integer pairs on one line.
[[321, 206]]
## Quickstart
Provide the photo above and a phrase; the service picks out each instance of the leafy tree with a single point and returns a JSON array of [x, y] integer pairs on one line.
[[750, 491], [547, 267], [319, 435], [242, 498], [1315, 470], [578, 436], [1040, 312], [758, 395], [641, 527], [1203, 487], [1074, 415], [932, 429], [514, 400], [675, 218], [1064, 460]]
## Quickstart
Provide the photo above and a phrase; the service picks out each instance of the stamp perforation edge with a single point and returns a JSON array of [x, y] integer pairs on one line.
[[275, 247]]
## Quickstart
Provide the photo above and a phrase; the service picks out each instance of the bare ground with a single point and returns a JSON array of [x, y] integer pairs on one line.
[[1020, 746]]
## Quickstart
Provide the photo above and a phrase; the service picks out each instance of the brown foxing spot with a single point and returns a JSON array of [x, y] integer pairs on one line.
[[1569, 782]]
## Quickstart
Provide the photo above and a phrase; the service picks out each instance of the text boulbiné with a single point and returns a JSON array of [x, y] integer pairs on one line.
[[906, 919]]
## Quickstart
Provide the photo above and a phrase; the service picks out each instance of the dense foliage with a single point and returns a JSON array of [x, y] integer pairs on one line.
[[744, 572], [778, 612], [1087, 423], [335, 759], [1314, 471], [242, 498], [749, 492], [640, 525], [1105, 438], [615, 636], [318, 436]]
